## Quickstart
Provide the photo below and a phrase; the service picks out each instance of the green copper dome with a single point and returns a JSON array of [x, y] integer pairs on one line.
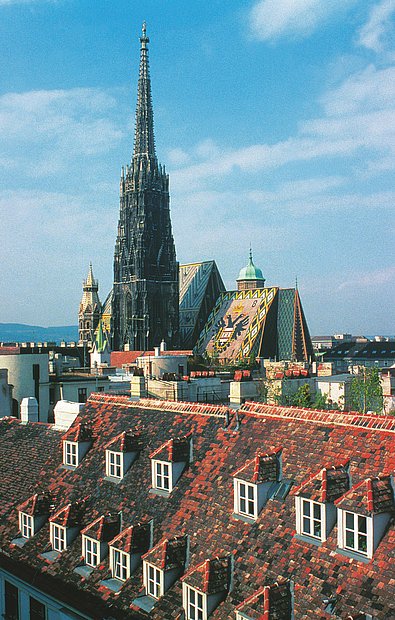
[[250, 272]]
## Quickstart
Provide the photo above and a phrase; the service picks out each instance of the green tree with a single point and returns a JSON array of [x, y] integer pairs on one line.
[[366, 392], [303, 396]]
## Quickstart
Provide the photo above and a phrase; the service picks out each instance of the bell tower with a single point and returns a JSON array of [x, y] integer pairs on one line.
[[145, 292], [90, 308]]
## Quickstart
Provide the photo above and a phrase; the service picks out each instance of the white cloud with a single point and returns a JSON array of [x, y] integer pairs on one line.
[[43, 130], [271, 19], [358, 119], [368, 279], [374, 33]]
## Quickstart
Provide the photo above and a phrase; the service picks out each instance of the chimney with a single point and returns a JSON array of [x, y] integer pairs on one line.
[[156, 351], [163, 346], [29, 410]]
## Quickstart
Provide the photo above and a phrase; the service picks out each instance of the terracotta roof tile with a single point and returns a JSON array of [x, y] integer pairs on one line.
[[169, 553], [37, 504], [81, 431], [264, 467], [272, 602], [211, 576], [134, 539], [327, 485], [174, 450], [201, 505], [104, 528], [70, 515], [127, 441], [370, 496]]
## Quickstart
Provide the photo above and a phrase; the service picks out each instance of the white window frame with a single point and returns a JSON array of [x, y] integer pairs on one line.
[[58, 537], [311, 518], [153, 580], [241, 488], [159, 478], [344, 528], [119, 564], [91, 551], [70, 453], [26, 525], [114, 464], [194, 601], [300, 529]]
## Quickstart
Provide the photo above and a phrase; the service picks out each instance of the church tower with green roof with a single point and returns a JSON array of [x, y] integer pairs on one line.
[[145, 292]]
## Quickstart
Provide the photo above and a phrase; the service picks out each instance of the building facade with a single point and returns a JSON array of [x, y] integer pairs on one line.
[[145, 291], [90, 309]]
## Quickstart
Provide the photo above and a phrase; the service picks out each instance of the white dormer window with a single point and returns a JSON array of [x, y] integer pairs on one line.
[[90, 551], [153, 580], [114, 464], [70, 453], [58, 537], [355, 532], [26, 525], [194, 603], [119, 564], [245, 499], [311, 519], [162, 476]]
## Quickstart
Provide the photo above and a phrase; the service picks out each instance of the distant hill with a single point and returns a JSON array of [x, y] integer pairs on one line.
[[18, 332]]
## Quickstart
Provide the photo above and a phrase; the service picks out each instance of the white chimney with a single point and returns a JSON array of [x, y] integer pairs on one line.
[[156, 351], [65, 413], [29, 410], [163, 346]]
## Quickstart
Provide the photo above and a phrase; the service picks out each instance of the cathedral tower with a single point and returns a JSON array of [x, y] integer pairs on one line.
[[145, 292], [90, 308]]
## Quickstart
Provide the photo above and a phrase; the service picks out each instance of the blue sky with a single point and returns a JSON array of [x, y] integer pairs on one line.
[[276, 122]]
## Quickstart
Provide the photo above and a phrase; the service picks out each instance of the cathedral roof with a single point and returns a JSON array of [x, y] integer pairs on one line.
[[250, 272]]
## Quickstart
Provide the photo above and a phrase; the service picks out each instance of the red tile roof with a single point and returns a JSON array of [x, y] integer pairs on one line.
[[272, 602], [37, 504], [175, 450], [262, 468], [325, 486], [127, 441], [104, 528], [201, 504], [211, 576], [370, 496], [81, 431], [70, 515], [134, 539], [169, 553], [124, 358]]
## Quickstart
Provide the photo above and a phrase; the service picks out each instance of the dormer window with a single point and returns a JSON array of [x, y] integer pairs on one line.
[[96, 538], [355, 532], [205, 586], [246, 496], [32, 514], [127, 548], [65, 525], [58, 537], [161, 476], [363, 515], [120, 565], [163, 565], [311, 518], [91, 551], [26, 525], [76, 443], [120, 454], [253, 483], [315, 502], [168, 462], [114, 464], [153, 578], [70, 453]]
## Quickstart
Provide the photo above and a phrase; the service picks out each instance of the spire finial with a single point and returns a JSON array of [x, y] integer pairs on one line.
[[144, 142], [250, 253], [296, 282]]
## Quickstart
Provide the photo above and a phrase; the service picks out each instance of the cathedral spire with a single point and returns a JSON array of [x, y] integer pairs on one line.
[[144, 142]]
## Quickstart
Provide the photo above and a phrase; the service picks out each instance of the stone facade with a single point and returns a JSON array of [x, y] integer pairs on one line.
[[145, 292]]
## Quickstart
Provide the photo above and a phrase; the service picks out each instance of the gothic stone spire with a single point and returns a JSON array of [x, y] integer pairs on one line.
[[145, 292], [144, 142]]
